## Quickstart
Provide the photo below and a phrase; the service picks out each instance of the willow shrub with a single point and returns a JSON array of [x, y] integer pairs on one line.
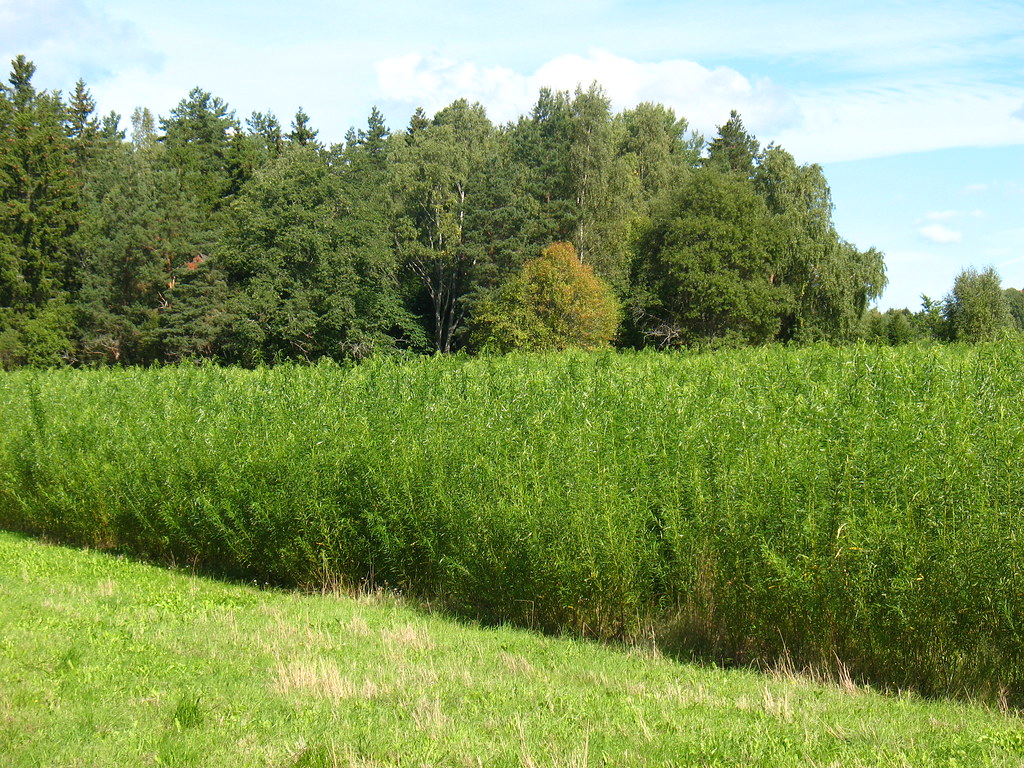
[[858, 505]]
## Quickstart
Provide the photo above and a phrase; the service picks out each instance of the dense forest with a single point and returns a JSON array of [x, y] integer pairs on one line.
[[194, 236]]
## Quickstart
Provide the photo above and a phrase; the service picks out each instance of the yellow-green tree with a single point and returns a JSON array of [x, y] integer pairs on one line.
[[554, 302]]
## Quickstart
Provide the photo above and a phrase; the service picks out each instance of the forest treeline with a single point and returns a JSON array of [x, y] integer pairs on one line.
[[195, 236]]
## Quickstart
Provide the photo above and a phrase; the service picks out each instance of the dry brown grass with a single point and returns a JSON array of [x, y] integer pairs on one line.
[[322, 678]]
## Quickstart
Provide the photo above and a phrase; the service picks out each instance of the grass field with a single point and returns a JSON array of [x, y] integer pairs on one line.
[[107, 662], [856, 504]]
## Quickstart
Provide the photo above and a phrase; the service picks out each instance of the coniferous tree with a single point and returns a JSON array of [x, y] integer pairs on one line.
[[540, 143], [197, 134], [39, 214], [130, 247], [301, 132], [733, 149]]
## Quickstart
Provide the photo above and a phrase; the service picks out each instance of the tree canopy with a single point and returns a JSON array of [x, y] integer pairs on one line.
[[200, 236]]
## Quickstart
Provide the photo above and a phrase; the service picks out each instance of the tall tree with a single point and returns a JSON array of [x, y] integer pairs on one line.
[[1015, 303], [302, 133], [39, 213], [831, 281], [734, 149], [130, 244], [706, 270], [540, 143], [600, 182], [441, 169], [976, 307], [308, 274], [197, 134], [657, 148], [266, 132]]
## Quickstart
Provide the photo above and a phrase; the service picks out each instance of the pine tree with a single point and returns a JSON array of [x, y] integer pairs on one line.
[[39, 196], [301, 133], [733, 149]]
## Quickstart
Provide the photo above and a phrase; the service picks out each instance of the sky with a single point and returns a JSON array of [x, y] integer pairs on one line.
[[914, 108]]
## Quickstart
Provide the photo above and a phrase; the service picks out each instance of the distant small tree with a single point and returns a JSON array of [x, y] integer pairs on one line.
[[893, 327], [1015, 301], [555, 302], [976, 308], [931, 318]]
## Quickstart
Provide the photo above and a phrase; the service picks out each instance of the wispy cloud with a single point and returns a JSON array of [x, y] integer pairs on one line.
[[877, 120], [69, 39], [951, 215], [853, 122], [942, 235], [703, 95]]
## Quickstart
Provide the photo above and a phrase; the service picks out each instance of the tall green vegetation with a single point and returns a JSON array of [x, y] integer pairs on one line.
[[977, 309], [555, 302], [203, 237], [709, 276], [857, 504], [39, 205], [308, 273]]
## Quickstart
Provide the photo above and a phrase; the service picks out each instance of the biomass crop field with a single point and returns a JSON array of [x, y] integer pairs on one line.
[[854, 509]]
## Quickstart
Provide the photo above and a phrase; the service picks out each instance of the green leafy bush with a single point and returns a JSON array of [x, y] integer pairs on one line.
[[860, 505]]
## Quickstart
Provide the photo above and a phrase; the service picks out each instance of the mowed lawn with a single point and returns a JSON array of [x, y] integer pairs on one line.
[[107, 662]]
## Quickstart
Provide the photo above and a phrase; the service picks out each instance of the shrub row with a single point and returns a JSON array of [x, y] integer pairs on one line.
[[861, 505]]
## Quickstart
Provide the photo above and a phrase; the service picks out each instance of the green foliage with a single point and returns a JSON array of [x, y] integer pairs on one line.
[[1015, 303], [38, 194], [733, 150], [656, 147], [301, 132], [197, 134], [309, 276], [39, 337], [831, 281], [129, 253], [894, 327], [977, 308], [708, 269], [858, 504], [554, 303], [402, 237], [439, 170]]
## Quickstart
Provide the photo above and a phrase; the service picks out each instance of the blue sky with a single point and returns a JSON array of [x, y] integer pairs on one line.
[[915, 109]]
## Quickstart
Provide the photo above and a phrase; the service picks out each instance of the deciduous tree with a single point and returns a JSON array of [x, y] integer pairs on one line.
[[976, 307], [555, 302]]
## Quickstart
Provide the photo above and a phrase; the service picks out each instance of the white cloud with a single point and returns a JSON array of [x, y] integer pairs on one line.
[[937, 233], [703, 96], [862, 121], [854, 122], [68, 39], [950, 215], [434, 82]]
